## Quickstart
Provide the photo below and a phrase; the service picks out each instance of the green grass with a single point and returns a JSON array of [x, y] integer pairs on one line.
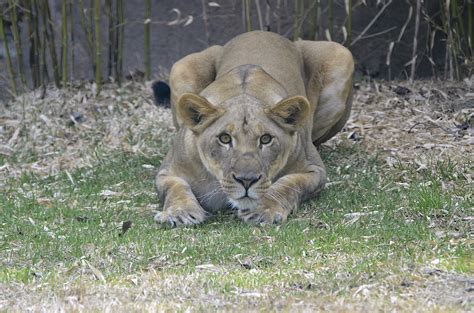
[[61, 228]]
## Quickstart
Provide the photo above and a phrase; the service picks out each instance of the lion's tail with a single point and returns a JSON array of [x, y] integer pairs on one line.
[[162, 93]]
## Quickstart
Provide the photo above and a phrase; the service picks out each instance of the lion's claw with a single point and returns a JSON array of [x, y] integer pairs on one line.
[[260, 215], [177, 216]]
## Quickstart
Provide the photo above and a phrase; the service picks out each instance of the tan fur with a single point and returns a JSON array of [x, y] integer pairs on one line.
[[227, 102]]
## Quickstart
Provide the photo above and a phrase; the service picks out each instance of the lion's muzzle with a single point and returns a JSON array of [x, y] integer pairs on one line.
[[247, 180]]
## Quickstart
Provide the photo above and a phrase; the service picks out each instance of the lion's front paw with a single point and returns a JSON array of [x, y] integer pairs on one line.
[[264, 214], [181, 215]]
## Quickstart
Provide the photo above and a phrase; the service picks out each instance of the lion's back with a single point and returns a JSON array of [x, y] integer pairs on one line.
[[277, 55]]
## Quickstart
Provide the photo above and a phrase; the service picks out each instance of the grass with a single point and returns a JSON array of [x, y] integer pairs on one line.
[[374, 231]]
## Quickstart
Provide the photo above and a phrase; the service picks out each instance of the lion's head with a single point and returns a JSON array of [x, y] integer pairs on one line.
[[243, 140]]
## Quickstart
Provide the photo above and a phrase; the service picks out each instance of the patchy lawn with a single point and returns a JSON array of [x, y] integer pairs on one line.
[[392, 231]]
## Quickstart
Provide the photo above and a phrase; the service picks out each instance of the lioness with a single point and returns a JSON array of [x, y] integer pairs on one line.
[[249, 117]]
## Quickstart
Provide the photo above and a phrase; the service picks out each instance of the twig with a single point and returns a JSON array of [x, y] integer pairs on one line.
[[389, 59], [404, 27], [379, 33], [414, 125], [376, 17]]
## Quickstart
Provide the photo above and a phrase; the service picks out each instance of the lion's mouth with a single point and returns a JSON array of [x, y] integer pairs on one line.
[[244, 202], [246, 196]]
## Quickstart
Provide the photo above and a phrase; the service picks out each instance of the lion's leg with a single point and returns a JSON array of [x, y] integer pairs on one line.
[[286, 194], [180, 206], [192, 74], [330, 118], [329, 67]]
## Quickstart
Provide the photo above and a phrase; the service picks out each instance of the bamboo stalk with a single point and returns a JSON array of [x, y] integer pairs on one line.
[[38, 44], [267, 15], [42, 45], [259, 14], [388, 61], [73, 44], [205, 19], [7, 53], [147, 39], [457, 17], [110, 43], [98, 66], [86, 28], [446, 20], [18, 44], [313, 24], [298, 15], [457, 35], [348, 4], [331, 17], [278, 9], [49, 35], [64, 43], [470, 27], [415, 41], [33, 42], [120, 42], [248, 16], [432, 36]]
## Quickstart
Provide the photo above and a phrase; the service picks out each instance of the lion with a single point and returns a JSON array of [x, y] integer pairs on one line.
[[249, 117]]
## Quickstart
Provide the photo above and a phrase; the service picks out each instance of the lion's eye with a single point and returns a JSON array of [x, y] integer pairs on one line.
[[225, 138], [266, 139]]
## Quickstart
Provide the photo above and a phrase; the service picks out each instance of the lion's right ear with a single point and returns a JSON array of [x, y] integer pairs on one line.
[[291, 112], [195, 111]]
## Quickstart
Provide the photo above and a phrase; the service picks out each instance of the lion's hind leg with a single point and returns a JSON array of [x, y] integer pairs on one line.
[[329, 68]]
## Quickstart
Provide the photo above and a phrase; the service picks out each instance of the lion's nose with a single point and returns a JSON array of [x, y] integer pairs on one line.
[[247, 180]]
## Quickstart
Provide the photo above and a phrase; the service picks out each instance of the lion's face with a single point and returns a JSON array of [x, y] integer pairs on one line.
[[245, 144]]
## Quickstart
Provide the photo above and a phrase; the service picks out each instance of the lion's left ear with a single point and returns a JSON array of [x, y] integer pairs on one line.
[[291, 112], [196, 112]]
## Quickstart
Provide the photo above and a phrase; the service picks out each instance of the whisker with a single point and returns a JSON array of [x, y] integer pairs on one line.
[[208, 195]]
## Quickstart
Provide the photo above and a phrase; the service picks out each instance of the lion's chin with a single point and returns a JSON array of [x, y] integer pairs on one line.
[[244, 203]]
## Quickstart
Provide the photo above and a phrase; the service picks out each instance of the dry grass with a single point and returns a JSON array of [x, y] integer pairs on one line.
[[413, 122], [63, 129]]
